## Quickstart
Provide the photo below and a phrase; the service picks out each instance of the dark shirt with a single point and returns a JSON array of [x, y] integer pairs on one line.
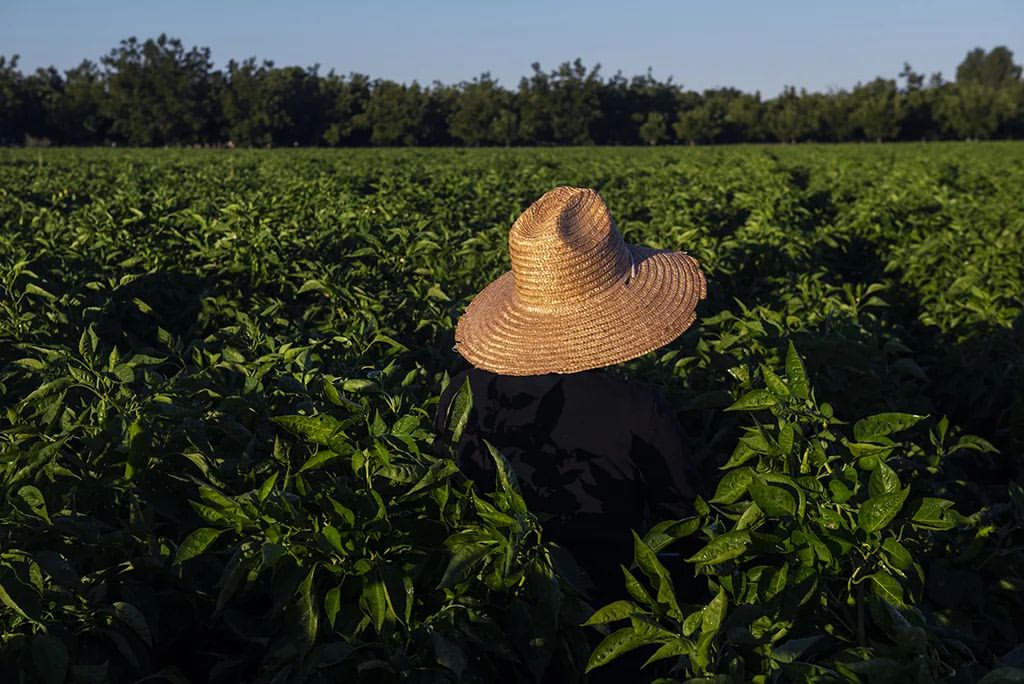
[[596, 456]]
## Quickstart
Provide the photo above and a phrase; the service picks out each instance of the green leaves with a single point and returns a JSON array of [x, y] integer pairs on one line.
[[144, 478], [787, 522], [883, 480], [772, 500], [932, 513], [714, 613], [360, 386], [507, 483], [753, 400], [613, 612], [656, 575], [33, 499], [464, 558], [636, 589], [319, 460], [733, 485], [882, 425], [615, 644], [887, 588], [459, 410], [796, 375], [332, 605], [722, 548], [774, 383], [305, 610], [196, 543], [897, 555], [878, 511], [667, 531], [671, 649], [320, 429]]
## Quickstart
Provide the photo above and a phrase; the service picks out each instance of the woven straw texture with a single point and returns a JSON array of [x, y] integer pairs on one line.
[[577, 297]]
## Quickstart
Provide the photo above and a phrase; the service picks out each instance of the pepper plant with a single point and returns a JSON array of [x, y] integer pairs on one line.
[[219, 369], [814, 551]]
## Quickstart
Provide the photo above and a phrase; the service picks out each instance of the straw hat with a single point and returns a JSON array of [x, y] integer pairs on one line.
[[577, 297]]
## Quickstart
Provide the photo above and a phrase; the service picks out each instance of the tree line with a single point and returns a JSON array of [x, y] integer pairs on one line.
[[155, 92]]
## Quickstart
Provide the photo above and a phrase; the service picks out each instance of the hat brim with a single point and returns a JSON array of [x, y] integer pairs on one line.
[[654, 306]]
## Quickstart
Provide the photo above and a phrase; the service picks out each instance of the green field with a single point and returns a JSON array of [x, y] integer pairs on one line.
[[218, 371]]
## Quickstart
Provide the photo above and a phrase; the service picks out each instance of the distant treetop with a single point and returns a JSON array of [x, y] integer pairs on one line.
[[155, 92]]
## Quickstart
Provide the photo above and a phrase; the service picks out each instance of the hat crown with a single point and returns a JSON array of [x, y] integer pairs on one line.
[[565, 248]]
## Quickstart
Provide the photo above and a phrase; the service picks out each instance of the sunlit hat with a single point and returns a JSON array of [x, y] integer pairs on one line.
[[577, 297]]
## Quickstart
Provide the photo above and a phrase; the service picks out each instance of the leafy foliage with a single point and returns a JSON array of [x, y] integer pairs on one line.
[[219, 372], [819, 540], [154, 92]]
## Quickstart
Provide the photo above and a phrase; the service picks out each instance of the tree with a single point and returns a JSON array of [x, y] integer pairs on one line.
[[918, 107], [743, 118], [914, 80], [877, 110], [249, 118], [293, 94], [40, 94], [346, 101], [264, 105], [994, 69], [701, 121], [441, 100], [534, 110], [477, 110], [976, 111], [829, 116], [617, 102], [987, 97], [395, 113], [157, 93], [735, 115], [654, 129], [49, 108], [12, 119], [787, 118], [574, 102], [79, 115], [559, 107], [696, 126], [505, 126]]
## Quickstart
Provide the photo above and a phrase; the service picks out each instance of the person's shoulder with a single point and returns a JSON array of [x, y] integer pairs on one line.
[[632, 403], [512, 384], [607, 381]]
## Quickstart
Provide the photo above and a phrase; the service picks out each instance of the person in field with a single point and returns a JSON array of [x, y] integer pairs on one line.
[[596, 455]]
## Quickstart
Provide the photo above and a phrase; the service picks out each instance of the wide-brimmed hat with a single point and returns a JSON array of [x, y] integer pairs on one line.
[[578, 297]]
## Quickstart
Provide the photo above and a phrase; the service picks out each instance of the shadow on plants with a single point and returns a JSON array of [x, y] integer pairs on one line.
[[141, 312]]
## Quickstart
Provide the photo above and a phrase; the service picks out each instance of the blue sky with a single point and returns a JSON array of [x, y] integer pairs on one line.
[[750, 45]]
